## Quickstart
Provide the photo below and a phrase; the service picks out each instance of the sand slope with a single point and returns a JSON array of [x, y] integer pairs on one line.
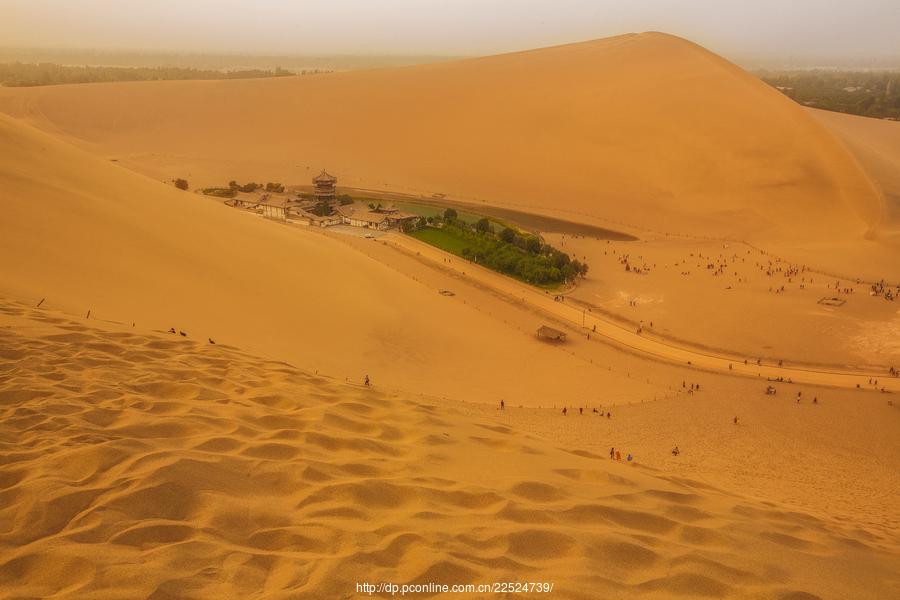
[[876, 144], [148, 466], [88, 235], [644, 129]]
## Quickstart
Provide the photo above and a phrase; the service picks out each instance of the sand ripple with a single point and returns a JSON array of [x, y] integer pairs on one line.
[[190, 470]]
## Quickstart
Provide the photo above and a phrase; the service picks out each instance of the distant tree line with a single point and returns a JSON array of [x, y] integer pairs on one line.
[[866, 93], [19, 74], [253, 186], [234, 187]]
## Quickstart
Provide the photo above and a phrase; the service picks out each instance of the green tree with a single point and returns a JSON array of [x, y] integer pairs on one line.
[[450, 214], [508, 235], [483, 226]]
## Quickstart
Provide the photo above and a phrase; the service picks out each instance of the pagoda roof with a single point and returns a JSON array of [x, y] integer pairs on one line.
[[324, 177]]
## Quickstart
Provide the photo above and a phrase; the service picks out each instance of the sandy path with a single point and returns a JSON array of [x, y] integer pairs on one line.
[[641, 343]]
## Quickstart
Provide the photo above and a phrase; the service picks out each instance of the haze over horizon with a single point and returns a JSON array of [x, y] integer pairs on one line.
[[766, 31]]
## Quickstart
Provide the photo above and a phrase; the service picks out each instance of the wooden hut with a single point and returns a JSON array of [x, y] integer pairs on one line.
[[550, 334]]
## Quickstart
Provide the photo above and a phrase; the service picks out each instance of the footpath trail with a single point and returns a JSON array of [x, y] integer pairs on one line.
[[599, 327]]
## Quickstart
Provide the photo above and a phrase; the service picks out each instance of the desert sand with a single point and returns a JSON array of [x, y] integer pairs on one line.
[[140, 463], [145, 465]]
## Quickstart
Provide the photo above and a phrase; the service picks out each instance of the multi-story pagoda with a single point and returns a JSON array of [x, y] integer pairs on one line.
[[324, 186]]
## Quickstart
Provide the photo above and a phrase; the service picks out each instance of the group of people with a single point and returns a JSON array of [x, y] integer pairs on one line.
[[617, 455], [882, 289], [565, 411]]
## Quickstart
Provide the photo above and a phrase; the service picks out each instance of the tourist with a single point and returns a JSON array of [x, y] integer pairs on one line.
[[565, 411], [367, 381], [676, 451], [612, 453], [618, 455], [502, 405]]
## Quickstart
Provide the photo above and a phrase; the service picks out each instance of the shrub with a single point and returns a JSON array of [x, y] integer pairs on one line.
[[483, 226], [181, 184], [220, 192]]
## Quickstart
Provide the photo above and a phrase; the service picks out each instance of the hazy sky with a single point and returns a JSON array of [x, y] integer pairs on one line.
[[735, 28]]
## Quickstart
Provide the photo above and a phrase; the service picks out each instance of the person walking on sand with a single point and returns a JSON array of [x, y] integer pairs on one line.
[[676, 451], [565, 411], [735, 420], [367, 382], [629, 458], [618, 455], [608, 415], [612, 454], [502, 405]]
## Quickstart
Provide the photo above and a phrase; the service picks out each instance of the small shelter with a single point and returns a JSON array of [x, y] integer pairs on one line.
[[311, 218], [249, 201], [550, 334], [275, 207], [357, 217]]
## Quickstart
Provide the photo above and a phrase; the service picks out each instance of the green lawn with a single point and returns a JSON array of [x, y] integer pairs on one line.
[[441, 239]]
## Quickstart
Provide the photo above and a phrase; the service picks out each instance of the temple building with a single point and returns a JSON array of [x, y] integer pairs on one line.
[[324, 186]]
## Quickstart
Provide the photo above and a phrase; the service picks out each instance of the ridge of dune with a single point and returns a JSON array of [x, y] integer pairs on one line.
[[148, 466], [646, 130]]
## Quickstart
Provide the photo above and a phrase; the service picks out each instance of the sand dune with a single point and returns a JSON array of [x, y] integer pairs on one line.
[[87, 235], [876, 144], [646, 130], [145, 465], [139, 463]]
